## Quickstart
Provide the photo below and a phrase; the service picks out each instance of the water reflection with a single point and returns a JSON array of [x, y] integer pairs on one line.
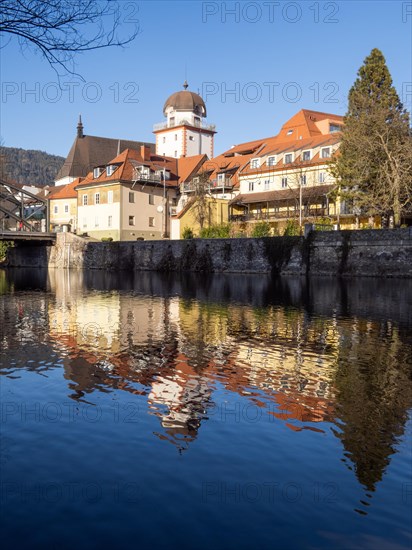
[[307, 354]]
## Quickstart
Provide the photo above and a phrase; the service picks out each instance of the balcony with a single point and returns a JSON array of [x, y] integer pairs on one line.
[[281, 215], [147, 178], [213, 186], [166, 124]]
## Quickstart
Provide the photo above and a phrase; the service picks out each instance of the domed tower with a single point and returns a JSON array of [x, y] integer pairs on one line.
[[184, 134]]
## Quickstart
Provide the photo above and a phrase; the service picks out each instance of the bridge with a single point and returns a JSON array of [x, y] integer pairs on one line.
[[23, 214], [23, 236]]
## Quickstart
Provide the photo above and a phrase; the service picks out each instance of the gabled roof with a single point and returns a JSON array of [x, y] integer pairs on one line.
[[187, 166], [90, 151], [65, 191], [232, 160], [306, 124], [126, 163]]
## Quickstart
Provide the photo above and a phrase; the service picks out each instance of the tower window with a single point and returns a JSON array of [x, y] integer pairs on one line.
[[175, 137], [191, 138], [164, 139], [131, 197]]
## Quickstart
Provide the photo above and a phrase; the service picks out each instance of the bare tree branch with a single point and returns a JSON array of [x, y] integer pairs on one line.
[[59, 29]]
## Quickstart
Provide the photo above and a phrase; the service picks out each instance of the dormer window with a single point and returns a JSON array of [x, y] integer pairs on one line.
[[110, 169], [334, 128], [96, 172], [288, 158], [306, 155], [325, 153], [255, 163], [271, 161], [289, 132]]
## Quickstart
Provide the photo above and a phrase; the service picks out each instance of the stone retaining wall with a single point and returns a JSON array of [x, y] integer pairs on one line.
[[382, 253]]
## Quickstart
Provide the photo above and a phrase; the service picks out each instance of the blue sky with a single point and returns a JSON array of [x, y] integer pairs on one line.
[[275, 57]]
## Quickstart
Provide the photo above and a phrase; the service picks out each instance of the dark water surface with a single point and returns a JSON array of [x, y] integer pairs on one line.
[[145, 411]]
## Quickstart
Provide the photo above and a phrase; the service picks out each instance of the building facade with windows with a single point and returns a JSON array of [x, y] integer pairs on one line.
[[289, 178], [128, 198], [63, 207]]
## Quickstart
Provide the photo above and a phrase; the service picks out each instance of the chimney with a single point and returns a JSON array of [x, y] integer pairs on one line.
[[145, 152]]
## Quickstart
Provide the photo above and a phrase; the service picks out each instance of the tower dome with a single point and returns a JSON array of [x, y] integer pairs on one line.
[[185, 101]]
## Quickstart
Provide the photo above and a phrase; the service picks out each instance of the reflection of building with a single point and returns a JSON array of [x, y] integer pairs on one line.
[[303, 366]]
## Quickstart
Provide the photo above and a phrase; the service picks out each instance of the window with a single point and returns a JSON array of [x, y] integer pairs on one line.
[[96, 172], [255, 163], [164, 139], [96, 221], [284, 182], [110, 169], [267, 182], [221, 178], [175, 153], [131, 197], [151, 222], [85, 200], [84, 222], [251, 185], [56, 209], [66, 208], [172, 121], [271, 161], [191, 138], [306, 155], [197, 121], [288, 158], [110, 197], [97, 198], [325, 153], [110, 221], [131, 220], [175, 137], [289, 132], [321, 177], [303, 179], [151, 199], [334, 128]]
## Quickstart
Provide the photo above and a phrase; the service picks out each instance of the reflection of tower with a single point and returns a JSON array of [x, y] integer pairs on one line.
[[184, 134], [186, 395]]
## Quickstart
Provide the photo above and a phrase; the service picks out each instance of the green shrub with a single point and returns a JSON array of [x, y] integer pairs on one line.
[[215, 232], [187, 233], [292, 229], [262, 229], [4, 246], [107, 239]]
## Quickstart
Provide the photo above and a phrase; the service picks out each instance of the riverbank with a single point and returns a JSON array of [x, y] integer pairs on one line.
[[376, 253]]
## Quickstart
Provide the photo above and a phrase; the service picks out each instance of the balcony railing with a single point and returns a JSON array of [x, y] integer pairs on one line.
[[155, 178], [213, 186], [281, 215], [168, 124]]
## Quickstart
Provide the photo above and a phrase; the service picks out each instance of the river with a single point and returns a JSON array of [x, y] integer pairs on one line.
[[192, 411]]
